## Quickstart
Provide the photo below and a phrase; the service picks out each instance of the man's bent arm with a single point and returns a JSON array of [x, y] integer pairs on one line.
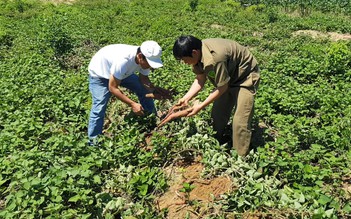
[[113, 87], [214, 95], [197, 85]]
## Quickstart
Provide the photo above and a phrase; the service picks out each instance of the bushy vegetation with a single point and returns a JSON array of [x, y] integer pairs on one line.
[[302, 160]]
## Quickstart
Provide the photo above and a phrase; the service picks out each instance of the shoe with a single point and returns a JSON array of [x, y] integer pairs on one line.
[[94, 142]]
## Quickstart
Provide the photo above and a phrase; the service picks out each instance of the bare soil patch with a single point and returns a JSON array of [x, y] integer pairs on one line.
[[347, 186], [317, 35], [56, 2], [217, 26], [201, 198]]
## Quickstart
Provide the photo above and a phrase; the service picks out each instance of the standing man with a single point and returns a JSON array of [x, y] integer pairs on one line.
[[234, 72], [114, 66]]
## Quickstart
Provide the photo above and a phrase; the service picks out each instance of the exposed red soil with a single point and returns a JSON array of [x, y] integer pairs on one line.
[[200, 200]]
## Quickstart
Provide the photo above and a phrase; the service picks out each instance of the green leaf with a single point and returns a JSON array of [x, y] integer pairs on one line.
[[35, 181], [297, 205], [302, 198], [57, 199], [111, 205], [320, 183], [41, 200], [97, 179], [329, 212], [347, 208], [143, 189], [26, 185], [143, 179], [324, 199], [284, 198], [74, 198], [3, 181]]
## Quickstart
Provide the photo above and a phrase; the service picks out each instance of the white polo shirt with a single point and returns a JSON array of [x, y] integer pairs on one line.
[[116, 59]]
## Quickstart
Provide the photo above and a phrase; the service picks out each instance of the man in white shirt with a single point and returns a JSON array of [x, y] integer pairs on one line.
[[114, 66]]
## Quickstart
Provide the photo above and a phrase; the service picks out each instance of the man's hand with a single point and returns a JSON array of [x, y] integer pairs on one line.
[[182, 102], [160, 94], [194, 110], [137, 109], [167, 94]]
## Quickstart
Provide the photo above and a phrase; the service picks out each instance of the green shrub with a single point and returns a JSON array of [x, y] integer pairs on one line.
[[338, 58]]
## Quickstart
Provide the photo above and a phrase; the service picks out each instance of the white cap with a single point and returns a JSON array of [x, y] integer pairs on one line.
[[152, 52]]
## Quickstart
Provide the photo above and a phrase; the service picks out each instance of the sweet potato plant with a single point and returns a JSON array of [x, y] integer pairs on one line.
[[300, 164]]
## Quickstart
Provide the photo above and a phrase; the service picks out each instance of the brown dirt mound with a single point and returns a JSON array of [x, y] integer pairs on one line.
[[199, 202], [56, 2], [316, 34]]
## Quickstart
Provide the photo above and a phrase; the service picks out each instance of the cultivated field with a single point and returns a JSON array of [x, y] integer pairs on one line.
[[300, 164]]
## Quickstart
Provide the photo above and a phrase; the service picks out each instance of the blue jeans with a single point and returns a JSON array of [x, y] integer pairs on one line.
[[101, 95]]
